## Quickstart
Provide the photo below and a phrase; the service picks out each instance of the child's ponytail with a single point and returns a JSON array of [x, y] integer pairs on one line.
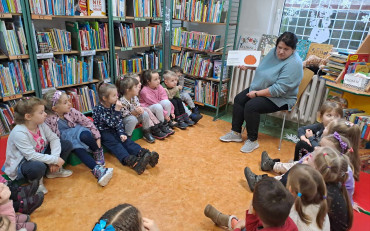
[[103, 89], [342, 180]]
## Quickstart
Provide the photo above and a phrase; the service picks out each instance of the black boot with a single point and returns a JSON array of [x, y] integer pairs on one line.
[[172, 124], [157, 132], [154, 156], [165, 128], [147, 135], [188, 120], [195, 115], [138, 163], [181, 123]]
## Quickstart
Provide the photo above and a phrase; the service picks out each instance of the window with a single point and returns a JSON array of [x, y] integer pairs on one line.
[[342, 23]]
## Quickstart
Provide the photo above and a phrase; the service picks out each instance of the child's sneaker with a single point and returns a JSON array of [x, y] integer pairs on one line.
[[99, 156], [24, 191], [187, 120], [157, 132], [252, 179], [181, 124], [29, 226], [42, 187], [154, 156], [147, 135], [172, 124], [60, 173], [30, 204], [102, 174], [267, 164], [195, 117], [138, 163], [165, 128], [22, 218]]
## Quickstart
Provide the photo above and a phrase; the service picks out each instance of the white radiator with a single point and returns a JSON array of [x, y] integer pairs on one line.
[[308, 105]]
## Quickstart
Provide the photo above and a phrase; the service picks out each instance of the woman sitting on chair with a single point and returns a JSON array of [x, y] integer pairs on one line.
[[274, 88]]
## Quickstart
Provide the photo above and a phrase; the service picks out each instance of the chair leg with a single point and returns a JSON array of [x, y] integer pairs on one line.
[[282, 131], [264, 120], [298, 113]]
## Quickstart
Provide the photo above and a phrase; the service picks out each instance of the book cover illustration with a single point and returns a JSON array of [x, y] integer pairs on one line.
[[248, 43], [302, 48], [320, 50], [267, 43]]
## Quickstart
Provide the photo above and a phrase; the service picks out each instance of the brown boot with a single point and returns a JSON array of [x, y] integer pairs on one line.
[[216, 216]]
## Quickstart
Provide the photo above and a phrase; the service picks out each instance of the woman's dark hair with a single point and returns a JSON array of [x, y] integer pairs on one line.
[[146, 76], [289, 38], [123, 217]]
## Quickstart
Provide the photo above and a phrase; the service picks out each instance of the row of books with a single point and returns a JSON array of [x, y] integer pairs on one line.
[[68, 7], [334, 66], [202, 11], [53, 40], [361, 118], [15, 78], [189, 86], [127, 35], [119, 8], [6, 116], [83, 99], [195, 40], [88, 35], [142, 61], [207, 92], [12, 37], [145, 8], [195, 64], [10, 6]]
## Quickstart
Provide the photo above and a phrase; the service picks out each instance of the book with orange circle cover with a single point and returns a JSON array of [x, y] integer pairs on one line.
[[243, 58]]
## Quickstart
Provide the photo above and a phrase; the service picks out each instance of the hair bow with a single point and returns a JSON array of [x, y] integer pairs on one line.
[[56, 97], [343, 144], [101, 226], [348, 123]]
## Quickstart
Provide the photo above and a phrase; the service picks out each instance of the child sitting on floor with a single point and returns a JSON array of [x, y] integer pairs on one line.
[[269, 210], [132, 113], [173, 93], [194, 114], [124, 217], [107, 118], [71, 125]]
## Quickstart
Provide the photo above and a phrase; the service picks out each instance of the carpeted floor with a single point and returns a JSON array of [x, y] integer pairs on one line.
[[194, 169]]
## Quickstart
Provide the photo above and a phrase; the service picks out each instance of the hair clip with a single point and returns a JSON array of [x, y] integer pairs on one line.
[[56, 97], [343, 144], [350, 149], [324, 197], [348, 123], [299, 194], [27, 97], [122, 77], [101, 226], [328, 167], [325, 154]]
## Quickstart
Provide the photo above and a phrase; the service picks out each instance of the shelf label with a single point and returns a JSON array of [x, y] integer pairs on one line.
[[88, 53], [119, 18], [11, 97], [126, 48], [140, 19], [5, 15], [42, 17], [45, 55], [157, 18]]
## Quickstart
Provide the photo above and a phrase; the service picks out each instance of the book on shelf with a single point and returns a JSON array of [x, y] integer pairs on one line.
[[144, 8], [195, 40], [302, 48], [119, 8], [58, 7], [248, 42], [10, 6], [101, 67], [83, 99], [206, 92], [53, 40], [194, 64], [320, 50], [96, 8], [128, 35], [81, 8], [7, 116], [200, 11], [12, 37], [267, 43], [151, 59], [217, 69], [15, 78], [88, 35]]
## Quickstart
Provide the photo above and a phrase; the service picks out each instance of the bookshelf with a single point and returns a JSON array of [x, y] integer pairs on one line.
[[198, 56]]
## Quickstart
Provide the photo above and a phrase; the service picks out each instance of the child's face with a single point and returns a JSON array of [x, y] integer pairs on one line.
[[329, 116], [38, 116], [134, 91], [4, 193], [171, 82], [63, 106], [112, 96], [138, 79], [327, 143], [155, 81]]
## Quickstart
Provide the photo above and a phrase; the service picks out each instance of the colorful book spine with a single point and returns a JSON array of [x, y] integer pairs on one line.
[[194, 64], [12, 37], [15, 78], [195, 40], [127, 35], [57, 7], [199, 11]]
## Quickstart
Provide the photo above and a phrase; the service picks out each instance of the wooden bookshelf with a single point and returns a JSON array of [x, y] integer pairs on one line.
[[16, 96], [178, 48], [3, 56], [50, 17], [78, 84], [9, 15], [341, 87], [209, 23], [15, 57], [66, 52], [207, 78], [208, 105], [136, 47], [103, 49]]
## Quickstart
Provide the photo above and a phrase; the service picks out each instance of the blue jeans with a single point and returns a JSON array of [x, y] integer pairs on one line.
[[121, 150]]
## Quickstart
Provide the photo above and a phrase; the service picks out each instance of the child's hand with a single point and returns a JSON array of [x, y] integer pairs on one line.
[[4, 194], [303, 138], [167, 118], [53, 168], [139, 110], [180, 88], [60, 162], [150, 224], [118, 105], [240, 224], [309, 133], [173, 115], [123, 138], [98, 142]]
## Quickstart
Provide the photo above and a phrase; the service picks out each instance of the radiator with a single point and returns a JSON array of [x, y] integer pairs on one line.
[[308, 104]]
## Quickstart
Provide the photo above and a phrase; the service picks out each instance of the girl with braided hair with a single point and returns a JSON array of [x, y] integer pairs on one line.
[[124, 217]]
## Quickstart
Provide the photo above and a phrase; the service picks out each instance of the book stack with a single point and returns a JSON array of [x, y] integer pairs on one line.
[[15, 78], [101, 67], [189, 86], [66, 70], [127, 35], [53, 40], [10, 6], [195, 64], [12, 37], [361, 118], [84, 98], [200, 11], [6, 116], [119, 8], [206, 92], [195, 40], [335, 65], [88, 35], [145, 8], [142, 61]]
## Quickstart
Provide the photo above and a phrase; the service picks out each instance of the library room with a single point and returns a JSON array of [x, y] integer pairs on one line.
[[134, 115]]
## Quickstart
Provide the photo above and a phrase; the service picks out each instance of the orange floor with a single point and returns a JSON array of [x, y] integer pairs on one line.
[[194, 169]]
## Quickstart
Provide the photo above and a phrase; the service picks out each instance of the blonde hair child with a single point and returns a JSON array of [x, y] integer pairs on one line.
[[71, 125]]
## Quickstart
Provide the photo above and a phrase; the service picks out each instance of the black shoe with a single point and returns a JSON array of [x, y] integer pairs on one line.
[[30, 204], [138, 163], [188, 120], [147, 135], [157, 132], [154, 156], [195, 117], [20, 192], [252, 179], [165, 128], [181, 124], [267, 164], [172, 124]]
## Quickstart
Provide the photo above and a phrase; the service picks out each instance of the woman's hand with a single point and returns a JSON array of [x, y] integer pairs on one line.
[[252, 94], [60, 162], [246, 68], [150, 225], [303, 138]]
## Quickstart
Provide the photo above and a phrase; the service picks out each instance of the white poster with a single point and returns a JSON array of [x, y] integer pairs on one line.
[[244, 58]]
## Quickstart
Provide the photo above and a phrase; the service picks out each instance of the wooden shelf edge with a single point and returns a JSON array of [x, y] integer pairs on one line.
[[15, 57], [65, 52], [9, 15], [340, 86], [50, 17], [178, 48], [207, 78], [211, 23], [137, 47], [16, 96], [78, 84]]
